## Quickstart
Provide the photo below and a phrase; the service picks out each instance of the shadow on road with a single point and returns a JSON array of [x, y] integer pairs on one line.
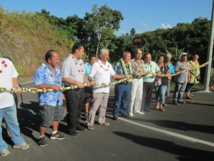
[[180, 125], [183, 153]]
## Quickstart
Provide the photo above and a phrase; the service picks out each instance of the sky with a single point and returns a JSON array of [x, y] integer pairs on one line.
[[142, 15]]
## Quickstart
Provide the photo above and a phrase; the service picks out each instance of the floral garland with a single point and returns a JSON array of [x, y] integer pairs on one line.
[[51, 75], [102, 66], [3, 65], [80, 67], [34, 90], [124, 67]]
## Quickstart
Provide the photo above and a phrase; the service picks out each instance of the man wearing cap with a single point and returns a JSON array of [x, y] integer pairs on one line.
[[73, 73], [136, 85], [181, 79]]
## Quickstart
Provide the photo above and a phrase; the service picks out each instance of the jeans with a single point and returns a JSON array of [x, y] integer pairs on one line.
[[122, 96], [179, 91], [10, 116], [160, 93]]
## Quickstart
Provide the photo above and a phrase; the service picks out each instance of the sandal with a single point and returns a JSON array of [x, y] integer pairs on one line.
[[90, 127], [162, 109], [157, 108], [106, 124], [164, 104]]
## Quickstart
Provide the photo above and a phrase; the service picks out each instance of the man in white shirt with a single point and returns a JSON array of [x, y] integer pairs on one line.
[[73, 73], [9, 79], [101, 72]]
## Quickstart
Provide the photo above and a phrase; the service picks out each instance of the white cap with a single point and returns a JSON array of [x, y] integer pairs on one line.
[[183, 54]]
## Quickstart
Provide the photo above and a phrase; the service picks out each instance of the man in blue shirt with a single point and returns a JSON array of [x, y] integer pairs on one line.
[[88, 90], [123, 90], [48, 76]]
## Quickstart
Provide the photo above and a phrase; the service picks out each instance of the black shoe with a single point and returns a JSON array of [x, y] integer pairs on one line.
[[126, 116], [175, 103], [57, 136], [182, 102], [80, 128], [115, 117], [73, 133], [42, 142]]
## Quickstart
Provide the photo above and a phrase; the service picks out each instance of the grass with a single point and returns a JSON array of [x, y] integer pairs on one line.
[[26, 37]]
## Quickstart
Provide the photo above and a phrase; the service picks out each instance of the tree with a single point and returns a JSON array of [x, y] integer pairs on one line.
[[100, 25], [133, 31]]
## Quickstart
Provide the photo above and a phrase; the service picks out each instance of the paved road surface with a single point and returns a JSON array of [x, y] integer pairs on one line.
[[183, 133]]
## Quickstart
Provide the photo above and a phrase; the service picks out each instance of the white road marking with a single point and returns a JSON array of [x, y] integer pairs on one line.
[[191, 139]]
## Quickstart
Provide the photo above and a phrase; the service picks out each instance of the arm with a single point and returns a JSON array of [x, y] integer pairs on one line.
[[15, 81], [72, 81]]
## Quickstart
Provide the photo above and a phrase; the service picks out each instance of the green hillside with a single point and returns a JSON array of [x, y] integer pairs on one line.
[[26, 37]]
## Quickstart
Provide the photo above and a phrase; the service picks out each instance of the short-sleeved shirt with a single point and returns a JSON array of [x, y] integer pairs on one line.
[[87, 67], [44, 75], [101, 73], [119, 69], [183, 77], [171, 68], [153, 67], [7, 73], [138, 65], [73, 68]]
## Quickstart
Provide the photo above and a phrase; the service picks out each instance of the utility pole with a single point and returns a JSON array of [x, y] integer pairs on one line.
[[209, 54]]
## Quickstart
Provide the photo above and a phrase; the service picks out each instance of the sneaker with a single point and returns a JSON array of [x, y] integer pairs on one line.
[[139, 112], [131, 114], [22, 146], [4, 153], [42, 142], [57, 136]]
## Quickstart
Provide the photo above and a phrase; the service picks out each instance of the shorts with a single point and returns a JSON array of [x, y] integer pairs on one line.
[[87, 94], [49, 114]]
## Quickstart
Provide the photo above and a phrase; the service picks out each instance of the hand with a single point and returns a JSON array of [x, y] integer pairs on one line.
[[129, 76], [87, 82], [18, 89], [93, 83], [55, 88], [80, 85]]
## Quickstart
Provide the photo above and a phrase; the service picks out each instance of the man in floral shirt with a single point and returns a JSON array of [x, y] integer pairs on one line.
[[48, 76]]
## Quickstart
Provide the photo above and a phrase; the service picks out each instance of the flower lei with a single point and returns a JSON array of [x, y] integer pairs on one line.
[[124, 68], [79, 65], [102, 66], [34, 90], [3, 65], [51, 75]]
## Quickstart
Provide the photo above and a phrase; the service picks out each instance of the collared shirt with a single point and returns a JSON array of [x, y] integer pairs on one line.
[[73, 68], [7, 73], [44, 75], [183, 77], [153, 67], [119, 69], [101, 73], [138, 65], [87, 67], [171, 68]]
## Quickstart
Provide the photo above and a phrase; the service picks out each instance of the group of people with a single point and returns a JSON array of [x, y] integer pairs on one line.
[[132, 96]]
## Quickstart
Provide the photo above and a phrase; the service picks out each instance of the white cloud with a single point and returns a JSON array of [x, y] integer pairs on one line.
[[144, 25], [166, 26]]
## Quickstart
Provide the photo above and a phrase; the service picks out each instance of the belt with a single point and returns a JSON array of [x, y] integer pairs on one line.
[[123, 83]]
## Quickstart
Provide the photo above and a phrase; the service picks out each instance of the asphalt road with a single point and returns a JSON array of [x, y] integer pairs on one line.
[[183, 133]]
